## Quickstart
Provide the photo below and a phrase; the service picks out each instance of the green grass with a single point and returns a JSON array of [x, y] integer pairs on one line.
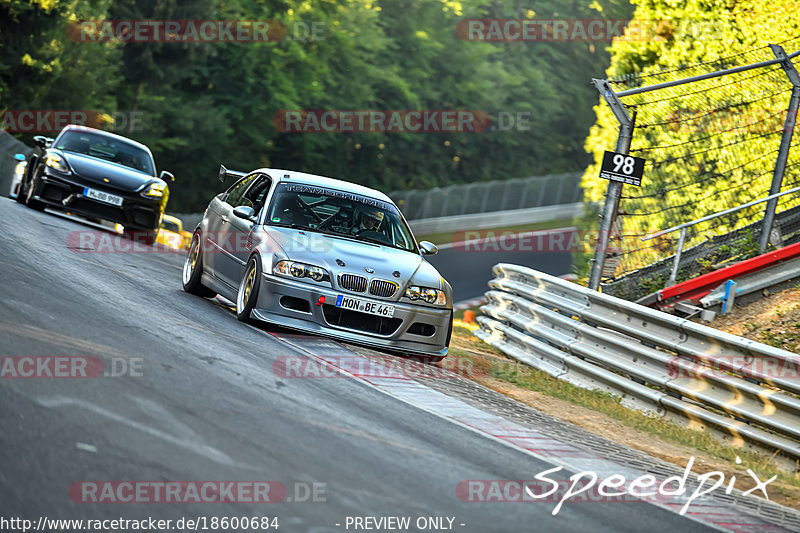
[[490, 360], [442, 238]]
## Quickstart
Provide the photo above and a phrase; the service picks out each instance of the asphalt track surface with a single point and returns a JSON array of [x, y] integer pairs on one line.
[[205, 404], [468, 268]]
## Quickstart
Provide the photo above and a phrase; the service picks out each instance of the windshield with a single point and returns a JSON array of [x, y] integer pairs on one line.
[[170, 226], [339, 213], [107, 148]]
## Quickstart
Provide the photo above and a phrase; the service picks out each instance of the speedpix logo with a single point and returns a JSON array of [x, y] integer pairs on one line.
[[587, 486]]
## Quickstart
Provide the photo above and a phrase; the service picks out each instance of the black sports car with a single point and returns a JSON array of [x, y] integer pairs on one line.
[[99, 175]]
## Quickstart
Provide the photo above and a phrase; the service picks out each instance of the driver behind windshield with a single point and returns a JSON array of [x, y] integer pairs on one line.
[[370, 221]]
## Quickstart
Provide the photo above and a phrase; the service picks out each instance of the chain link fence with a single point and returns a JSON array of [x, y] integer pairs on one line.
[[710, 143], [490, 196]]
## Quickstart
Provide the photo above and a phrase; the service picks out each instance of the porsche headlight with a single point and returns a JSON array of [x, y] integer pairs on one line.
[[56, 161], [155, 190], [300, 270], [426, 294]]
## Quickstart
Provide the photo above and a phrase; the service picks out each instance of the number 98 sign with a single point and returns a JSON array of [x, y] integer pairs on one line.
[[622, 167]]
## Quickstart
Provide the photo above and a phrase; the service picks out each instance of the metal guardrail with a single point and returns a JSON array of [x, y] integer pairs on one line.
[[685, 226], [751, 283], [656, 362], [497, 219], [489, 196]]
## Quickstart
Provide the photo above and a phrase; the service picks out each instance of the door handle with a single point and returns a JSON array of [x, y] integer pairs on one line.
[[224, 218]]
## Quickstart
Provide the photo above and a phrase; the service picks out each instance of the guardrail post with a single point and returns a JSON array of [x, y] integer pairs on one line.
[[786, 143], [673, 276], [730, 296], [614, 187]]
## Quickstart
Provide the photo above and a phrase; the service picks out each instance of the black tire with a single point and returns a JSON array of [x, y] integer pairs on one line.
[[193, 270], [30, 201], [247, 296], [20, 198], [449, 331], [22, 191]]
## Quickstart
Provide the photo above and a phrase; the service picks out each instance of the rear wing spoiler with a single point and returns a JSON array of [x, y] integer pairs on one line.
[[224, 173]]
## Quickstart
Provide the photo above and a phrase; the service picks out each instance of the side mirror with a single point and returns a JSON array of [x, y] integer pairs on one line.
[[167, 176], [245, 212], [428, 248], [42, 142], [19, 157]]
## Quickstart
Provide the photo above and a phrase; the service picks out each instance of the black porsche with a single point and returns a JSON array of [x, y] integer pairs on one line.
[[98, 175]]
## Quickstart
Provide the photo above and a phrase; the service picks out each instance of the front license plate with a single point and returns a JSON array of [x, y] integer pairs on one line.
[[365, 306], [101, 196]]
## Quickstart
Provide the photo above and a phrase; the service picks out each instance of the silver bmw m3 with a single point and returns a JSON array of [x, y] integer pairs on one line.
[[322, 256]]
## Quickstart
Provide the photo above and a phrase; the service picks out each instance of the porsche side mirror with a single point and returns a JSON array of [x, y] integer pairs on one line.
[[428, 248], [42, 142], [245, 212], [167, 176]]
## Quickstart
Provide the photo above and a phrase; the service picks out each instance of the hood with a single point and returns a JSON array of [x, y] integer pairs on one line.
[[95, 170], [323, 250]]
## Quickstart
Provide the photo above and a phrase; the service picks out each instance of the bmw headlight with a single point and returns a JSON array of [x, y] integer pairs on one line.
[[155, 190], [56, 161], [300, 270], [426, 294]]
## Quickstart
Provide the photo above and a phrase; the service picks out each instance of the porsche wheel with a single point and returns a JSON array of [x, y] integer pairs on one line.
[[30, 201], [21, 193], [193, 270], [248, 289]]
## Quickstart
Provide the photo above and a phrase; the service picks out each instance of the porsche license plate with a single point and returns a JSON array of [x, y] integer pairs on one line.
[[101, 196], [365, 306]]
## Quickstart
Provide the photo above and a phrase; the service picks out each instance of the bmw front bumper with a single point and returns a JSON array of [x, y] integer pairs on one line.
[[413, 328]]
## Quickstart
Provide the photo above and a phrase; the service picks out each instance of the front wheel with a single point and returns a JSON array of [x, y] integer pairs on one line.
[[22, 192], [20, 197], [30, 201], [193, 270], [248, 289]]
